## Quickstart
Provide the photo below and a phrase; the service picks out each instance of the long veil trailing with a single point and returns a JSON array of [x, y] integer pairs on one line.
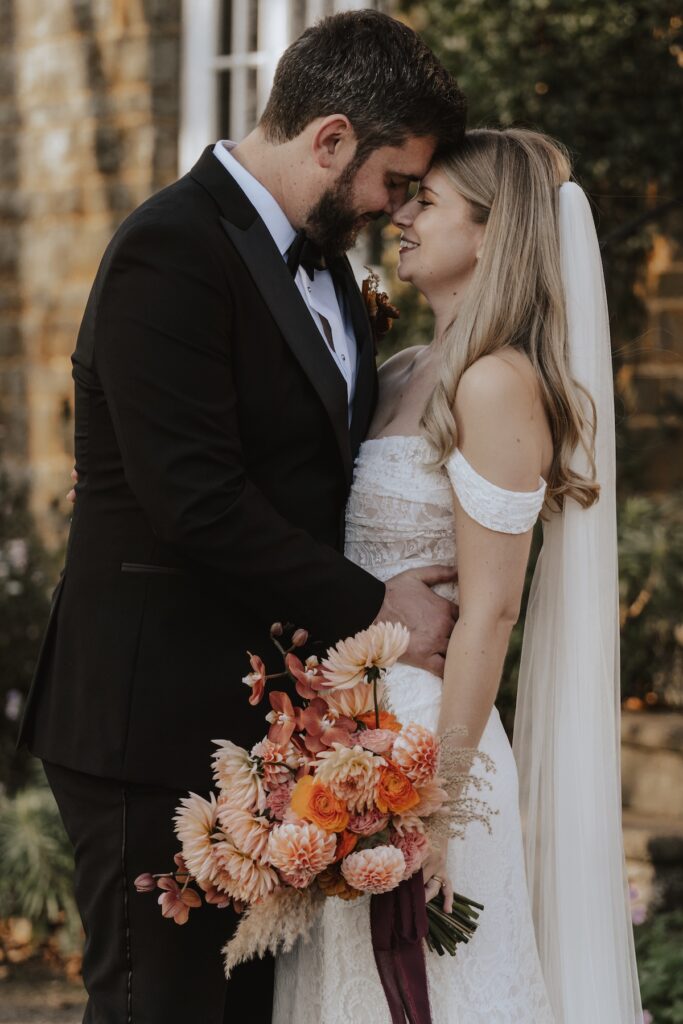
[[567, 723]]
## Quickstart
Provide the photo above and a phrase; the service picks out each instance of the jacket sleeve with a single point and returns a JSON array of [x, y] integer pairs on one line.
[[163, 355]]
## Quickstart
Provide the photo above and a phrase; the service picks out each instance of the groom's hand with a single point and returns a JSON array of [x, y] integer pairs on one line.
[[430, 618]]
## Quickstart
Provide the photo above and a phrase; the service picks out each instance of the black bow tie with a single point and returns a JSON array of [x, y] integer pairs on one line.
[[305, 253]]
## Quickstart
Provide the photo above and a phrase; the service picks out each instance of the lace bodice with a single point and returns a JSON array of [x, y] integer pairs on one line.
[[400, 513]]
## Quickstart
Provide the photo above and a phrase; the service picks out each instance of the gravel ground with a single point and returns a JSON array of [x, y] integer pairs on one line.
[[31, 995]]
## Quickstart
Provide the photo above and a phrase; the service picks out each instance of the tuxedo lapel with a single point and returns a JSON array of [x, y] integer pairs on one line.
[[366, 376], [255, 245]]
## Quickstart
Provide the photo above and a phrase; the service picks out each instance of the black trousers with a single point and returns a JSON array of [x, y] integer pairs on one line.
[[139, 967]]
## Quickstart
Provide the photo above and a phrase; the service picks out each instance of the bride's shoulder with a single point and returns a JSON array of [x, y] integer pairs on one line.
[[502, 428]]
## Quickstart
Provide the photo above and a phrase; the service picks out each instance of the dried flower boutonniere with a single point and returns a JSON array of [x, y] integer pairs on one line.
[[381, 312]]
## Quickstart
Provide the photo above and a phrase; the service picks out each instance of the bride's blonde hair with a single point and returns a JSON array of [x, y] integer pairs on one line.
[[511, 179]]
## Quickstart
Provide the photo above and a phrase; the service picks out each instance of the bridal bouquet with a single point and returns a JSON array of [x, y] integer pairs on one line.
[[338, 799]]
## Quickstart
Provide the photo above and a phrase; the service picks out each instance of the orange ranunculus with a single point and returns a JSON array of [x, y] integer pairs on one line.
[[395, 792], [386, 721], [346, 842], [314, 802]]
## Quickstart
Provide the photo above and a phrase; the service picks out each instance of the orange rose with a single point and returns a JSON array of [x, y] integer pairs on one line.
[[395, 792], [386, 721], [345, 844], [314, 802]]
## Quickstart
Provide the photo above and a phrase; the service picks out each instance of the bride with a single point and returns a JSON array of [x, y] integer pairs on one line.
[[505, 416]]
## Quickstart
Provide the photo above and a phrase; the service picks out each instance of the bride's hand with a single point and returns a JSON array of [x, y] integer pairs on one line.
[[436, 878]]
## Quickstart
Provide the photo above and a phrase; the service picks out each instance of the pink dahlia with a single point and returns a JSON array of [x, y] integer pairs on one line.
[[237, 777], [279, 799], [374, 871], [355, 701], [378, 647], [240, 876], [414, 846], [351, 773], [432, 798], [195, 824], [369, 823], [176, 902], [250, 833], [301, 852], [416, 752], [273, 763]]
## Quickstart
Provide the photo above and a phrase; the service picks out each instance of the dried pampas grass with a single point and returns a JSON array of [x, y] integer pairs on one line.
[[454, 775], [273, 925]]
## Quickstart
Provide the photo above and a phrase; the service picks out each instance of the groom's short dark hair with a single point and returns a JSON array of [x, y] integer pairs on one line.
[[377, 72]]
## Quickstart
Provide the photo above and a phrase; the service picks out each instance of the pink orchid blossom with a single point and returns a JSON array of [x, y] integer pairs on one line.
[[324, 726], [256, 679], [283, 718], [176, 902], [308, 678]]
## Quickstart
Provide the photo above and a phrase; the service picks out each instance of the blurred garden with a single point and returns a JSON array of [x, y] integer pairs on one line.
[[606, 78]]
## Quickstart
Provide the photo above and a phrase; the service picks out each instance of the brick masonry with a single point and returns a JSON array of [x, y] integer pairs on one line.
[[89, 93]]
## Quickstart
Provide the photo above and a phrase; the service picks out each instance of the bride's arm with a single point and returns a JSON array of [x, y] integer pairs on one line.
[[501, 432]]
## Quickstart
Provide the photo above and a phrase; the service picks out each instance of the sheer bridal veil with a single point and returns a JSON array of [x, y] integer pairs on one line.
[[567, 723]]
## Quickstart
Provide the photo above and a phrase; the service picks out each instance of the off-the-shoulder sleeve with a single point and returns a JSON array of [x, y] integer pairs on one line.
[[490, 505]]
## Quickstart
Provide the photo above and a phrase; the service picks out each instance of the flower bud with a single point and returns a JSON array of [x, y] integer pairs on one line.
[[276, 629], [145, 882], [300, 638]]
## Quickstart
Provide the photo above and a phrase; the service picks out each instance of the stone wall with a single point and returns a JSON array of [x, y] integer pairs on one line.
[[650, 380], [88, 129]]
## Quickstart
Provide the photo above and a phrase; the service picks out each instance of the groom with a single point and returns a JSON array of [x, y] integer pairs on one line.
[[224, 377]]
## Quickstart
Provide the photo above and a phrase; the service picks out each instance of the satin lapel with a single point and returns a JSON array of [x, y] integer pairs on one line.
[[255, 245], [365, 394]]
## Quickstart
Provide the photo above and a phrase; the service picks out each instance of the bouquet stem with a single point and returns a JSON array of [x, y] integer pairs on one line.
[[447, 930]]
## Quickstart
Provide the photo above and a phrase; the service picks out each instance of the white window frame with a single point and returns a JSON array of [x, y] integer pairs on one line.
[[201, 64]]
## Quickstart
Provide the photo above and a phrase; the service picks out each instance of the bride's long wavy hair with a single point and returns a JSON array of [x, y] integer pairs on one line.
[[511, 179]]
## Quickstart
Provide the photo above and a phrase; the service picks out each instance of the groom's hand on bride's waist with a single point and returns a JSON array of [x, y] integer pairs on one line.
[[430, 618]]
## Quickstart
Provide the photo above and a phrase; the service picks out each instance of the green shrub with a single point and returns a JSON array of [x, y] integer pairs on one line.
[[27, 576], [36, 880], [659, 949]]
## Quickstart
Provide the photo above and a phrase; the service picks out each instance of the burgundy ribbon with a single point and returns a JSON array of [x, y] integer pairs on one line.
[[398, 924]]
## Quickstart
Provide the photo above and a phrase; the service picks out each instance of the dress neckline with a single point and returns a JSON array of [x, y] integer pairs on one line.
[[543, 483]]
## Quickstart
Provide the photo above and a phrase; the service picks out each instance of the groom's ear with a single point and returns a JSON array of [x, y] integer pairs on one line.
[[333, 142]]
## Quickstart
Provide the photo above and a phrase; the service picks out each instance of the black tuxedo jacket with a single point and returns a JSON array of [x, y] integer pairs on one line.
[[214, 461]]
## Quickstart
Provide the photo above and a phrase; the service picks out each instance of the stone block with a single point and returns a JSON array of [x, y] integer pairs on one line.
[[670, 285], [10, 339], [669, 324], [652, 764]]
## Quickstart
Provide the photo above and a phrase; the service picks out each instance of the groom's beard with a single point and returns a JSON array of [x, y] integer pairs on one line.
[[333, 223]]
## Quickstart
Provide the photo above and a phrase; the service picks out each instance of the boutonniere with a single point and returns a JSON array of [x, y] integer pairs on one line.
[[381, 312]]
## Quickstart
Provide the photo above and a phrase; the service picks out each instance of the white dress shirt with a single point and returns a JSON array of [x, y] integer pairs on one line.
[[319, 293]]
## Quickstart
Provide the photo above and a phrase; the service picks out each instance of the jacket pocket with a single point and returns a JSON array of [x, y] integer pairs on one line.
[[165, 570]]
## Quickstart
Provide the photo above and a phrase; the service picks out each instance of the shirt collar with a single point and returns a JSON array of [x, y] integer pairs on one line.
[[268, 209]]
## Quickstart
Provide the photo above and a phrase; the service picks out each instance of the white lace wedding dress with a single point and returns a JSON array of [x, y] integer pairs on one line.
[[400, 516]]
